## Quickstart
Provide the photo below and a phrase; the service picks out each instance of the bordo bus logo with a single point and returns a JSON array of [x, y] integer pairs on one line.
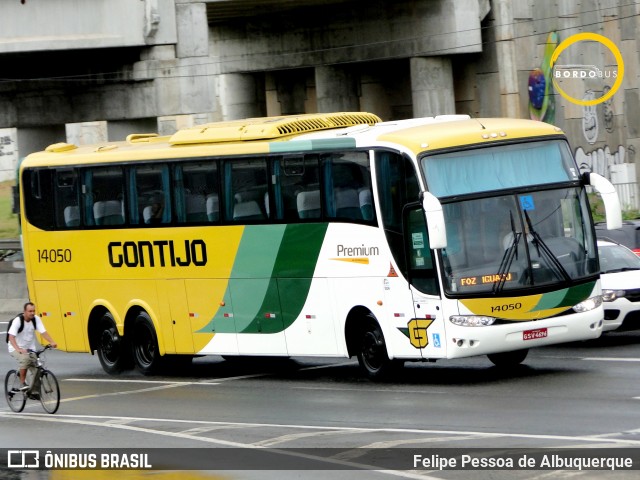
[[583, 72]]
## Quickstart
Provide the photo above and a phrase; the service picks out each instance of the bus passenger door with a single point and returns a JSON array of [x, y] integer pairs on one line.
[[427, 328], [258, 316], [48, 308], [75, 331], [180, 323]]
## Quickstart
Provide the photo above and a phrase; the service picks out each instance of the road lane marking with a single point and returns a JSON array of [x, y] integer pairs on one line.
[[296, 436], [127, 392], [117, 380], [68, 420], [80, 419], [611, 359]]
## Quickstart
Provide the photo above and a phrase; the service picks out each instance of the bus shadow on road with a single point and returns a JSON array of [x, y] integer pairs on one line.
[[472, 371], [617, 338]]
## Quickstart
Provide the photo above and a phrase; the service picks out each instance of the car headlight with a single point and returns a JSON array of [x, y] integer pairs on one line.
[[589, 304], [471, 320], [611, 295]]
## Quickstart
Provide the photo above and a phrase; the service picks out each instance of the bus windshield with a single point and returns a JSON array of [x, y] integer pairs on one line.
[[515, 236]]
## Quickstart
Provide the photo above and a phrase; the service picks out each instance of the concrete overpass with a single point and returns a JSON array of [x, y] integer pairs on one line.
[[92, 71]]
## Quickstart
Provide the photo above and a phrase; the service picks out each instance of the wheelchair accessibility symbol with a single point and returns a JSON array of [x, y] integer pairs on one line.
[[526, 202], [418, 332]]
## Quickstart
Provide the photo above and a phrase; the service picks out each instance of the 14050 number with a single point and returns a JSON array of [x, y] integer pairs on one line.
[[58, 255], [506, 307]]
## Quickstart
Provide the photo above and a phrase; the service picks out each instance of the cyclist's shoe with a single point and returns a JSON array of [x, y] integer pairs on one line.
[[24, 387]]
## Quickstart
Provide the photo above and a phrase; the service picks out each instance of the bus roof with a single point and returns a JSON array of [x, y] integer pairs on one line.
[[298, 133], [445, 131]]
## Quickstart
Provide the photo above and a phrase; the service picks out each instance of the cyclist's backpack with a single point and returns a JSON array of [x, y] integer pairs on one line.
[[21, 317]]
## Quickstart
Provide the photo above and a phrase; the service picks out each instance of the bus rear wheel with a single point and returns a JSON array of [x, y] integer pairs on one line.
[[145, 345], [508, 359], [372, 353], [112, 352]]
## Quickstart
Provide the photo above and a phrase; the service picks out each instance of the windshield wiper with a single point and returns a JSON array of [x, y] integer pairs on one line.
[[507, 258], [541, 246]]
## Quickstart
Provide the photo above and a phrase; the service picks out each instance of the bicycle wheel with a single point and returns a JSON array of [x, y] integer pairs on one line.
[[49, 392], [15, 398]]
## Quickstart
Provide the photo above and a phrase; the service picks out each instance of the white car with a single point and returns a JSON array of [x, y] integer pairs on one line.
[[620, 277]]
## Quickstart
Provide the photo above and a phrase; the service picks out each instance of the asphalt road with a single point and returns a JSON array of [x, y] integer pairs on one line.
[[580, 396]]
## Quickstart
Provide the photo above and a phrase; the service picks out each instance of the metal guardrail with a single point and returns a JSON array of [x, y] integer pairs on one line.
[[11, 260], [10, 244]]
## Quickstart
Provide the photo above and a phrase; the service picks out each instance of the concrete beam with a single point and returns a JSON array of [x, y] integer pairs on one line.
[[33, 26], [432, 87], [354, 32]]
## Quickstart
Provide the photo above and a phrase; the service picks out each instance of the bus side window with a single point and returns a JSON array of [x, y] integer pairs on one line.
[[421, 264], [397, 185], [37, 188], [196, 192], [67, 200], [245, 188], [103, 196], [348, 186], [297, 187], [150, 195]]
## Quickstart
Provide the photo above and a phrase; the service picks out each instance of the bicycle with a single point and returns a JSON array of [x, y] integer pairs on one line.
[[43, 386]]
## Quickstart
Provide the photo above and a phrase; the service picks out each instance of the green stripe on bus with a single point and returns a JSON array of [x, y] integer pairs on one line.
[[282, 260], [567, 297], [309, 145], [295, 266], [258, 251]]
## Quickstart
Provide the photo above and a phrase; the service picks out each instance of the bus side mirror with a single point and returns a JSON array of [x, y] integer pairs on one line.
[[435, 220], [610, 199]]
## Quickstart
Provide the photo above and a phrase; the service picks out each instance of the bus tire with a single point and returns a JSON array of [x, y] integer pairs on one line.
[[144, 343], [372, 353], [111, 348], [508, 359]]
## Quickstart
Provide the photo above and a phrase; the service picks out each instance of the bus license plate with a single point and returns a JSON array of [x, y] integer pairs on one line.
[[533, 334]]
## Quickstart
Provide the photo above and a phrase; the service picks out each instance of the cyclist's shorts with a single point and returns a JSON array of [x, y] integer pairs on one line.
[[24, 359]]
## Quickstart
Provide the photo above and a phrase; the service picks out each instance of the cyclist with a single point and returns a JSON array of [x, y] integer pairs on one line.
[[20, 342]]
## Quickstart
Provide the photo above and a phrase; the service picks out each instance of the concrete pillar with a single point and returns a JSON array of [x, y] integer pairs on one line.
[[291, 86], [337, 89], [192, 29], [432, 86], [86, 133], [241, 96], [8, 153], [168, 125], [506, 58]]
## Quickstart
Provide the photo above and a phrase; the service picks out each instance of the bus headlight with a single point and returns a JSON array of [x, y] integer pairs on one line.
[[471, 320], [589, 304], [611, 295]]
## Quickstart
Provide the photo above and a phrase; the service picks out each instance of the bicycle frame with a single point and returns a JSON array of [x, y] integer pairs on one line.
[[43, 386]]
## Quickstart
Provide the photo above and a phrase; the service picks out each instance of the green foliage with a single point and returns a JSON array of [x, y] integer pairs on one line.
[[597, 210], [597, 207], [8, 221]]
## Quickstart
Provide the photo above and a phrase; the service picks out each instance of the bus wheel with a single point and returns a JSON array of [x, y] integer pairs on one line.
[[508, 359], [112, 352], [372, 353], [145, 345]]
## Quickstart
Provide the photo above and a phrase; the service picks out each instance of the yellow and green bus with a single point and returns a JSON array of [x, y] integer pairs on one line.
[[329, 235]]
